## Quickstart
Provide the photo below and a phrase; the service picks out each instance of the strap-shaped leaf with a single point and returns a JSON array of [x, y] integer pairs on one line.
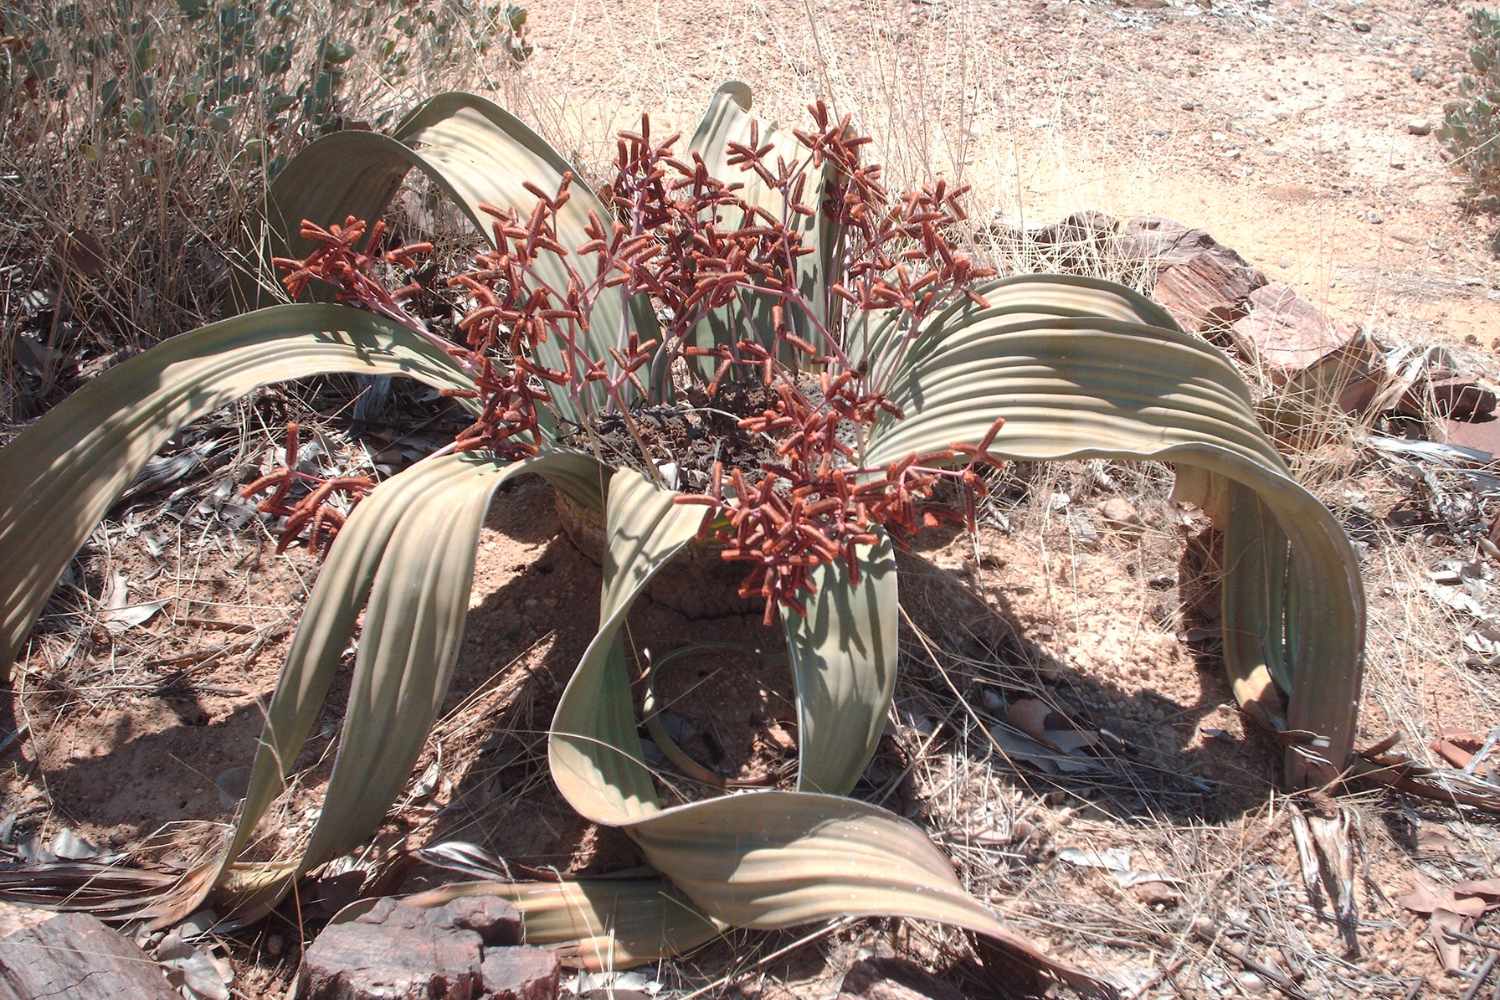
[[406, 556], [764, 859], [727, 120], [600, 923], [872, 336], [844, 655], [1073, 379], [59, 476], [477, 153], [593, 749]]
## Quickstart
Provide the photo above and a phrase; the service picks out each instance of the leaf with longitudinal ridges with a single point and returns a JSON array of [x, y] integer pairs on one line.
[[406, 559], [593, 749], [844, 654], [600, 923], [406, 556], [1076, 372], [764, 859], [476, 153], [727, 120], [59, 476]]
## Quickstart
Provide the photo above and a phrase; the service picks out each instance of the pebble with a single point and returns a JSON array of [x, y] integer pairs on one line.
[[1120, 515], [1419, 126], [1251, 983]]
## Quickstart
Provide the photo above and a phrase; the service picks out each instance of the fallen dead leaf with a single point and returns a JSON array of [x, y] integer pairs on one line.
[[1114, 859], [1435, 839], [1488, 888], [1050, 728], [1451, 752], [1450, 908], [119, 615], [1438, 926]]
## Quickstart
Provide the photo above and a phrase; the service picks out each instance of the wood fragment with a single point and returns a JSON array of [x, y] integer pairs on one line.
[[1479, 979]]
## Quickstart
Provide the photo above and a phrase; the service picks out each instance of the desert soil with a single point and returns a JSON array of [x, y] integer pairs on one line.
[[1295, 132]]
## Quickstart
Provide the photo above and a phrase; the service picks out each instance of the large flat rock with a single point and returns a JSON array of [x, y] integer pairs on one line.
[[72, 955]]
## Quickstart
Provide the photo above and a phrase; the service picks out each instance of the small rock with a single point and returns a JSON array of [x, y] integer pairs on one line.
[[1156, 894], [1252, 984], [1202, 283], [1418, 126], [1076, 240], [73, 955], [779, 737], [495, 920], [520, 973], [1083, 531], [1286, 333], [393, 951], [1120, 515], [1207, 293], [1482, 435], [893, 979], [1453, 398], [1088, 226]]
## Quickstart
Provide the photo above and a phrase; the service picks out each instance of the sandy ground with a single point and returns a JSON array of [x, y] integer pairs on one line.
[[1285, 129]]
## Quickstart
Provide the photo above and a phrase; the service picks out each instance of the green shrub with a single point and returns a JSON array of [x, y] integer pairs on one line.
[[264, 60], [138, 137], [1471, 126]]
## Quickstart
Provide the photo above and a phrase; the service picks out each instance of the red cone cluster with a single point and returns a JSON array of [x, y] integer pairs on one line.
[[690, 243]]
